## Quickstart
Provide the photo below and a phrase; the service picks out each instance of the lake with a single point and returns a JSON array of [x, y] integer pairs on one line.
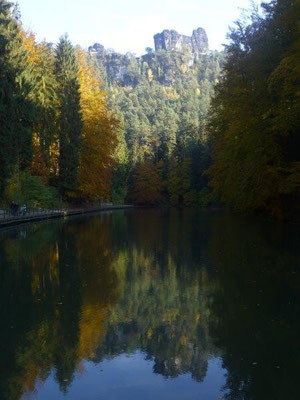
[[150, 304]]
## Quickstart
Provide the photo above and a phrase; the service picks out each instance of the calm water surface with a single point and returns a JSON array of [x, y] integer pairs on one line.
[[150, 305]]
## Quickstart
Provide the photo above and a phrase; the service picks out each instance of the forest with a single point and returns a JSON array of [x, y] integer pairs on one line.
[[222, 131]]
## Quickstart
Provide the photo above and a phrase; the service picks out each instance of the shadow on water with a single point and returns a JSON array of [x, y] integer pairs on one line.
[[181, 287]]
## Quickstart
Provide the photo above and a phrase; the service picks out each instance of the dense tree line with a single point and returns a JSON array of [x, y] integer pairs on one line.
[[163, 100], [57, 137], [247, 151], [71, 129], [255, 116]]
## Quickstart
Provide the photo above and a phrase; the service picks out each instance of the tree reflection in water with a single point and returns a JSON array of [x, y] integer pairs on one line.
[[182, 287]]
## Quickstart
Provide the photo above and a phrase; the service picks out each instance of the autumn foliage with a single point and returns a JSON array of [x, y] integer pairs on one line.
[[99, 140], [148, 183]]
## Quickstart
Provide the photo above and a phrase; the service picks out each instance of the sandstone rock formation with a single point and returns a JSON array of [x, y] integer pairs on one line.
[[171, 40], [180, 52]]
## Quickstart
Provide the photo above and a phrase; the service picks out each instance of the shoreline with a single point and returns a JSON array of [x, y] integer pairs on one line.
[[20, 220]]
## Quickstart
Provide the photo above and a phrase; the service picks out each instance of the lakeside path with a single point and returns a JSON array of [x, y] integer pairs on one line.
[[41, 215]]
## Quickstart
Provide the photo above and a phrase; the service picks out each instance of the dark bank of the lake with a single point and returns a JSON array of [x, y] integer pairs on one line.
[[150, 304]]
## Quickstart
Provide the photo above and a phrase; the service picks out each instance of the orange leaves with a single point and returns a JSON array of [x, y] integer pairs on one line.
[[38, 165], [148, 184]]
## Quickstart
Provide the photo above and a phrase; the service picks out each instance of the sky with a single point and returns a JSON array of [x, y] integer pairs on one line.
[[128, 25]]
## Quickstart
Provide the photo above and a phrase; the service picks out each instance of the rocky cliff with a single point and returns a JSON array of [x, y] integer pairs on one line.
[[174, 54], [171, 40]]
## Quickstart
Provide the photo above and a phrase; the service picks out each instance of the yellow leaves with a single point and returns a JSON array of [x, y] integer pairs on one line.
[[54, 155], [99, 137], [170, 315], [183, 68], [150, 75], [92, 97], [33, 49], [35, 140], [198, 92], [149, 333], [170, 93], [91, 329]]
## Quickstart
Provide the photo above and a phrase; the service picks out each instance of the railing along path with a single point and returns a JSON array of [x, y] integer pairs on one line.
[[21, 215]]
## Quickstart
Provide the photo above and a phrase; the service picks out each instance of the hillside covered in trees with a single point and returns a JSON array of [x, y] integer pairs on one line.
[[90, 125], [95, 125], [162, 100]]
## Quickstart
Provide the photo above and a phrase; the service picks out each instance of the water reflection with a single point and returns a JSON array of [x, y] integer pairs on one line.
[[182, 289], [256, 307]]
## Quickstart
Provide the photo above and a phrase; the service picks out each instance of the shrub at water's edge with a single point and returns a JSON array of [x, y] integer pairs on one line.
[[26, 189]]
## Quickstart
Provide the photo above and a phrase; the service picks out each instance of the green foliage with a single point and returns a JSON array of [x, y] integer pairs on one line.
[[255, 115], [174, 183], [179, 183], [119, 189], [156, 106], [190, 199], [205, 197], [16, 108], [41, 119], [163, 107], [69, 121], [27, 189], [45, 96], [121, 170]]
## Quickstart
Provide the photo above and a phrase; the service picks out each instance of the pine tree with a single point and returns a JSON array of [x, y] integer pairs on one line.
[[121, 169], [69, 120], [41, 57], [16, 13], [16, 109], [180, 182]]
